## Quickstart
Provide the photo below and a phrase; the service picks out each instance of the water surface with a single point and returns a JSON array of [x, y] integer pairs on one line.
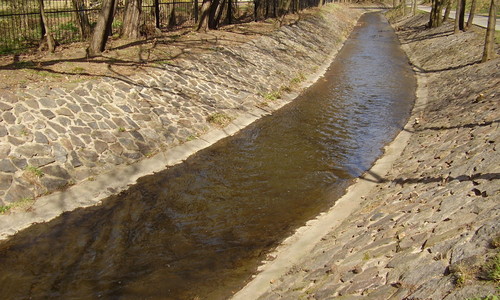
[[199, 229]]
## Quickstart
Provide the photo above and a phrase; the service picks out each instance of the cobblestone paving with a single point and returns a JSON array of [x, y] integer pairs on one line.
[[432, 226], [54, 137]]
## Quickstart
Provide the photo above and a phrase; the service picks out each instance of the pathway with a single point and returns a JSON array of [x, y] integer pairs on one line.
[[478, 19]]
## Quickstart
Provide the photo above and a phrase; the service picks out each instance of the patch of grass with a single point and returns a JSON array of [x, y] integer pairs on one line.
[[491, 270], [273, 96], [219, 119], [121, 129], [34, 171], [78, 70], [298, 79], [461, 274], [164, 62], [286, 89], [191, 137], [24, 204], [4, 209], [43, 73], [24, 132], [366, 256]]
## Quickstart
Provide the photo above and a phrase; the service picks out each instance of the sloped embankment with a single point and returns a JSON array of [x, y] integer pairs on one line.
[[51, 138], [430, 228]]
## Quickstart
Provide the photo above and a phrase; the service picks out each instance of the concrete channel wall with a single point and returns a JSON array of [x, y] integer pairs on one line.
[[52, 138]]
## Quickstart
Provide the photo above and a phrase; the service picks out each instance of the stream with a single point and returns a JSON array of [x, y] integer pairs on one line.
[[198, 230]]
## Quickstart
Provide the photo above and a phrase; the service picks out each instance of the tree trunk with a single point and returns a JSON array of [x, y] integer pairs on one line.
[[82, 18], [471, 15], [156, 5], [461, 16], [457, 13], [229, 16], [218, 14], [256, 4], [205, 10], [212, 14], [195, 10], [100, 35], [435, 16], [447, 10], [489, 43], [172, 22], [51, 44], [131, 19], [414, 11]]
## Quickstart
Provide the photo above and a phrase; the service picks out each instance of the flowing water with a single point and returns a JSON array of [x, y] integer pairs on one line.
[[200, 228]]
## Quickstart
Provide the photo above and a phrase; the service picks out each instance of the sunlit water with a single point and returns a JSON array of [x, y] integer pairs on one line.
[[199, 229]]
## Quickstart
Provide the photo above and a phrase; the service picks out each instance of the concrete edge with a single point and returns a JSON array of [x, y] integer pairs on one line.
[[299, 245], [90, 193]]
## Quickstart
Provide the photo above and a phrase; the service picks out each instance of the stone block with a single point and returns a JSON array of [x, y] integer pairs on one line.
[[32, 149], [100, 146], [5, 181], [40, 161], [74, 160], [128, 144], [48, 114], [20, 163], [52, 184], [65, 112], [3, 131], [4, 106], [47, 103], [56, 171], [4, 150], [18, 191], [59, 153], [41, 138], [9, 117], [58, 128], [116, 148]]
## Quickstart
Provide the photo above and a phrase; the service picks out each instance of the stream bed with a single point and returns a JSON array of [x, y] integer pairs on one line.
[[198, 230]]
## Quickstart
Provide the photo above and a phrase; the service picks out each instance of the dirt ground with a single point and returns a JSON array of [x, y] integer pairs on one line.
[[70, 63]]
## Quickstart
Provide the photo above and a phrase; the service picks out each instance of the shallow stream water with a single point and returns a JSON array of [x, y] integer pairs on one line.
[[199, 229]]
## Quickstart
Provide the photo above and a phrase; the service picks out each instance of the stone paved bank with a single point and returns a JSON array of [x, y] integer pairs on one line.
[[431, 228], [54, 137]]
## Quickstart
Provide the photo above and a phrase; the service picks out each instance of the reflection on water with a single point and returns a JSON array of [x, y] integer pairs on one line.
[[199, 229]]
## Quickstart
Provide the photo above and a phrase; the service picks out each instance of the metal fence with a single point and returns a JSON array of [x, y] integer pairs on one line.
[[21, 26]]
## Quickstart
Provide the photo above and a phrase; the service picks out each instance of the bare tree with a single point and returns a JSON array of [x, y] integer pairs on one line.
[[101, 30], [489, 43], [210, 14], [131, 19], [449, 3], [461, 15], [435, 19], [51, 44], [471, 15], [82, 18], [204, 12], [457, 18]]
